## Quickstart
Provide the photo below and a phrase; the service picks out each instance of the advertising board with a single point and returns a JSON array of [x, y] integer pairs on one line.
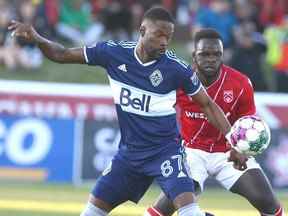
[[36, 149]]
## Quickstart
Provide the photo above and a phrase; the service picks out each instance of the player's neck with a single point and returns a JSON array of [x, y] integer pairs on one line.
[[207, 80], [142, 55]]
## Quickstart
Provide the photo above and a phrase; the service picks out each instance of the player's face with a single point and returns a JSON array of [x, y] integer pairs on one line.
[[208, 56], [156, 37]]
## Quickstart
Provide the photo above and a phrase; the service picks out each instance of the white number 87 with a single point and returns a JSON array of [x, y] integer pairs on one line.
[[167, 169]]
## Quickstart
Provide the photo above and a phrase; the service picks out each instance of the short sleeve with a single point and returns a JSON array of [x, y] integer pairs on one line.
[[98, 54], [246, 100], [191, 84]]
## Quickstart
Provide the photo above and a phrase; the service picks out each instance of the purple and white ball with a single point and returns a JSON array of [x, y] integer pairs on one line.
[[250, 135]]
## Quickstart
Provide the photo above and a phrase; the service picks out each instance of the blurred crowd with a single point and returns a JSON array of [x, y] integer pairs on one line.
[[255, 32]]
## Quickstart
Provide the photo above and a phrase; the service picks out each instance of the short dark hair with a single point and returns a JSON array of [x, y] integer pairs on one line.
[[158, 13], [206, 33]]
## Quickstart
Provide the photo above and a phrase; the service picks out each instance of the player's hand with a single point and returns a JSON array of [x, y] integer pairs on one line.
[[23, 31], [238, 159]]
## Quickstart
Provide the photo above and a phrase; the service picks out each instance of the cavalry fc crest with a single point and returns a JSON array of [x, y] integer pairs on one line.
[[156, 78], [228, 96]]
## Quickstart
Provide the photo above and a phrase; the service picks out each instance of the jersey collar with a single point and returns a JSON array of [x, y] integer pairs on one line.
[[139, 61], [220, 76]]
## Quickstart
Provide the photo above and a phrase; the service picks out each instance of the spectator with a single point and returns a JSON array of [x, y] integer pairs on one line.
[[277, 53], [218, 15], [76, 23], [250, 45], [15, 54], [186, 12], [47, 18], [271, 12], [118, 20], [29, 55], [8, 52]]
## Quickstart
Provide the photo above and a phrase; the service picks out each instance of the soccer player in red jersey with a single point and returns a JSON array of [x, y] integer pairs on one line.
[[206, 148]]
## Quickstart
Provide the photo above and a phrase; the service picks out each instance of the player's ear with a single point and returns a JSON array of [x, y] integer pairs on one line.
[[193, 55], [142, 30]]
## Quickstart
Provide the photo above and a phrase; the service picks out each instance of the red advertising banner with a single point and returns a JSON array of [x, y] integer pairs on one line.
[[62, 101]]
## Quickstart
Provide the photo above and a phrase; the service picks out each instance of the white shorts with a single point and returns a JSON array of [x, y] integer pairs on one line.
[[203, 164]]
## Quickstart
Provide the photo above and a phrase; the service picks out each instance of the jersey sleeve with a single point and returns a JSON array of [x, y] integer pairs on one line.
[[98, 54], [246, 100], [190, 84]]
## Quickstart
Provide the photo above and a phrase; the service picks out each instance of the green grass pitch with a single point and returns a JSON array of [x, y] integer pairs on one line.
[[29, 199]]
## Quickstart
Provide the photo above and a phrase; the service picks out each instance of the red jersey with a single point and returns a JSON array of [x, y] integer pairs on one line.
[[233, 92]]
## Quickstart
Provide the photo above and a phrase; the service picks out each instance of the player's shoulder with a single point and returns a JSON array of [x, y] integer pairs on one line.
[[118, 49], [127, 44], [236, 76], [118, 45], [122, 44], [176, 62]]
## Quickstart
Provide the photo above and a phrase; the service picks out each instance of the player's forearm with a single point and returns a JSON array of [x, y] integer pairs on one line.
[[54, 51], [217, 117]]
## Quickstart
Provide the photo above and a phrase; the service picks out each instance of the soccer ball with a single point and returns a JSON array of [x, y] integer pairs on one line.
[[250, 135]]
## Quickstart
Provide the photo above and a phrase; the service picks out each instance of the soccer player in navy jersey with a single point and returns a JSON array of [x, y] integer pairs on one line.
[[144, 77], [205, 146]]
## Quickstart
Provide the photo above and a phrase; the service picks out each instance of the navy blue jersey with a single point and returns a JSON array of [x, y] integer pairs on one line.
[[144, 94]]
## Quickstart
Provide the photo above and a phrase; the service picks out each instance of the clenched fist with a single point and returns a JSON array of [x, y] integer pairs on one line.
[[23, 31], [238, 159]]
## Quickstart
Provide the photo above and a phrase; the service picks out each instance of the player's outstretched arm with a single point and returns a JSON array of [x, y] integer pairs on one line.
[[217, 117], [52, 50]]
